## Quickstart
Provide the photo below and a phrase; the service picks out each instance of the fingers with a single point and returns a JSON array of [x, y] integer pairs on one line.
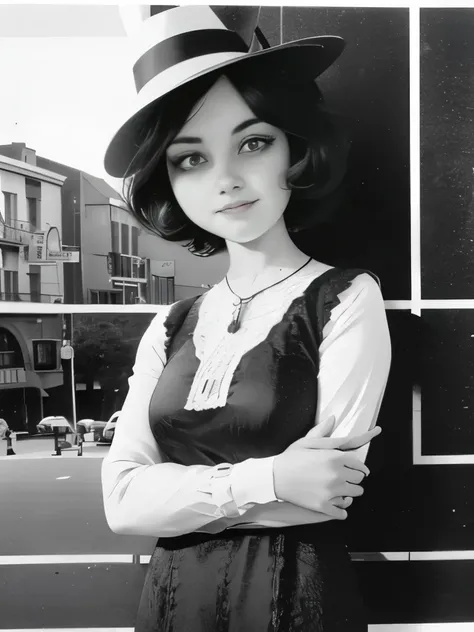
[[334, 512], [343, 502], [318, 438], [353, 463], [321, 443], [349, 489], [357, 441], [354, 476], [323, 429]]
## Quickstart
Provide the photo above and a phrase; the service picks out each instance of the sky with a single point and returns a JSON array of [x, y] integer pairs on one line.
[[66, 81]]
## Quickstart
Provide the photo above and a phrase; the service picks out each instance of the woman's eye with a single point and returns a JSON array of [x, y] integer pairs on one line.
[[190, 162], [254, 144]]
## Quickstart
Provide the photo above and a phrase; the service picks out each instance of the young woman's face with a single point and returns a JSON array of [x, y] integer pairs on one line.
[[227, 169]]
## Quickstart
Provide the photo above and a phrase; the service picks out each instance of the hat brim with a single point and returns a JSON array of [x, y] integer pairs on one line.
[[308, 57]]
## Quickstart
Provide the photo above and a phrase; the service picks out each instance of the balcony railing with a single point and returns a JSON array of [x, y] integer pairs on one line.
[[127, 266], [16, 230], [33, 297], [18, 235]]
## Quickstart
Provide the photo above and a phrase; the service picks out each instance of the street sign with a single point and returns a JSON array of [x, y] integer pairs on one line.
[[66, 256], [162, 268], [37, 250]]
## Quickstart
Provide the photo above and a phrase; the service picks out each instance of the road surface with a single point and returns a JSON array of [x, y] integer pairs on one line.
[[52, 506]]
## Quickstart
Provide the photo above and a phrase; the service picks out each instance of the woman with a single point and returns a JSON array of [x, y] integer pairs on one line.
[[233, 444]]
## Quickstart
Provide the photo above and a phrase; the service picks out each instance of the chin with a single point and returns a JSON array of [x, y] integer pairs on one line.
[[244, 233], [244, 238]]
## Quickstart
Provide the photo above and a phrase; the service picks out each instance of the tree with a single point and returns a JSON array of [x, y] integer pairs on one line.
[[105, 348]]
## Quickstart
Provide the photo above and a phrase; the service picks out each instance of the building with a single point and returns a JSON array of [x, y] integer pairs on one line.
[[120, 262], [111, 258], [30, 365], [127, 265], [31, 260]]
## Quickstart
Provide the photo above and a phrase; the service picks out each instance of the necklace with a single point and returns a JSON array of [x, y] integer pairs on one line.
[[235, 324]]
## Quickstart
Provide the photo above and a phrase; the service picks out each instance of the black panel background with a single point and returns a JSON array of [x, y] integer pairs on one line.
[[369, 86], [447, 153]]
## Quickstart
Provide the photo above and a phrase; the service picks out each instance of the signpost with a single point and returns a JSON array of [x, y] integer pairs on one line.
[[56, 423]]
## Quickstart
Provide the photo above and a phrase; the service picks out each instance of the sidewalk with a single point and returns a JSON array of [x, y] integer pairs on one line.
[[43, 447]]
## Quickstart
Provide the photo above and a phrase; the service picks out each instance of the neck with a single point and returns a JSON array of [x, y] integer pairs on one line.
[[255, 264]]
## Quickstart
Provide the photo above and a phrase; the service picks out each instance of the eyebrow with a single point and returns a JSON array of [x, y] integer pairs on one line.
[[196, 139]]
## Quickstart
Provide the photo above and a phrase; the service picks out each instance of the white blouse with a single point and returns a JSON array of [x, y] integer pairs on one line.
[[145, 495]]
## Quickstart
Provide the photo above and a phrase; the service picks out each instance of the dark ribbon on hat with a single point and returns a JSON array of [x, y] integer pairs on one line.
[[185, 46]]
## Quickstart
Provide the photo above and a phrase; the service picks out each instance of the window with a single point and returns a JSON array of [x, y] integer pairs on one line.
[[45, 355], [163, 290], [11, 356], [115, 236], [134, 241], [138, 269], [130, 294], [7, 360], [11, 205], [126, 267], [105, 297], [10, 281], [35, 284], [32, 213], [125, 239]]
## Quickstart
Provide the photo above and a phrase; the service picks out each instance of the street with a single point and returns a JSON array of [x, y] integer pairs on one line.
[[53, 506]]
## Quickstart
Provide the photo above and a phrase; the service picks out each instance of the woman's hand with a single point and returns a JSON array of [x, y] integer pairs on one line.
[[322, 430], [319, 472]]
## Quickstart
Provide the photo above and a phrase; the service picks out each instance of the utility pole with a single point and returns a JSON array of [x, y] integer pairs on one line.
[[67, 354]]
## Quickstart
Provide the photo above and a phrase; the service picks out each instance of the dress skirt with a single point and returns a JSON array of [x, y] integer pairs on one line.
[[253, 580]]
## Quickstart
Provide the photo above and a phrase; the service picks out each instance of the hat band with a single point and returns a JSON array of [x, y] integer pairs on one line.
[[182, 47]]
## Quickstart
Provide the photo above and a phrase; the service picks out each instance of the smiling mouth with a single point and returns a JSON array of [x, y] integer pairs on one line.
[[237, 208]]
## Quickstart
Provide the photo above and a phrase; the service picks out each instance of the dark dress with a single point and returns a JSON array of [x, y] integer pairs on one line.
[[289, 579]]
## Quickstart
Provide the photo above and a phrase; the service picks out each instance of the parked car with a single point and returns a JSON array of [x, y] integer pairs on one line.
[[100, 432], [45, 427], [4, 429], [109, 429]]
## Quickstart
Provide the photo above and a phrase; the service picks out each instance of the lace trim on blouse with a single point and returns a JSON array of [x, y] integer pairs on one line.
[[219, 351]]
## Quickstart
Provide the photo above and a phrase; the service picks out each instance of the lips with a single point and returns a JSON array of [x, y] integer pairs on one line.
[[237, 207]]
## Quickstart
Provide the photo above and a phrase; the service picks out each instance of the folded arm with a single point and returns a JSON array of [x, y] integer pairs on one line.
[[143, 494], [355, 357]]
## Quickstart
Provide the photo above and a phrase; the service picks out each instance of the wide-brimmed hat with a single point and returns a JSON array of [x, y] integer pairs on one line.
[[176, 46]]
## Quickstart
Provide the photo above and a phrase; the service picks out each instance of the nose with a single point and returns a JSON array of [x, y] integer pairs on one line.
[[229, 179]]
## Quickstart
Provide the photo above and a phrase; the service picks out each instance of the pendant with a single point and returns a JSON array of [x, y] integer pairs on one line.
[[235, 325]]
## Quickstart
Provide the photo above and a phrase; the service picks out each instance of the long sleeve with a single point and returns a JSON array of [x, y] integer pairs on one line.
[[355, 361], [355, 357], [143, 494]]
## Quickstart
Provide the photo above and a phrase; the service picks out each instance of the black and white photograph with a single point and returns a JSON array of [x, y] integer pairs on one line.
[[235, 297], [66, 234]]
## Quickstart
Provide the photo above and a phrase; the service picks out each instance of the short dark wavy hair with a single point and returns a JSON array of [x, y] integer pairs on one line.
[[318, 151]]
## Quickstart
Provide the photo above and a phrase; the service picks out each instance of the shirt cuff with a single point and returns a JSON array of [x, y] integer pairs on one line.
[[252, 482]]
